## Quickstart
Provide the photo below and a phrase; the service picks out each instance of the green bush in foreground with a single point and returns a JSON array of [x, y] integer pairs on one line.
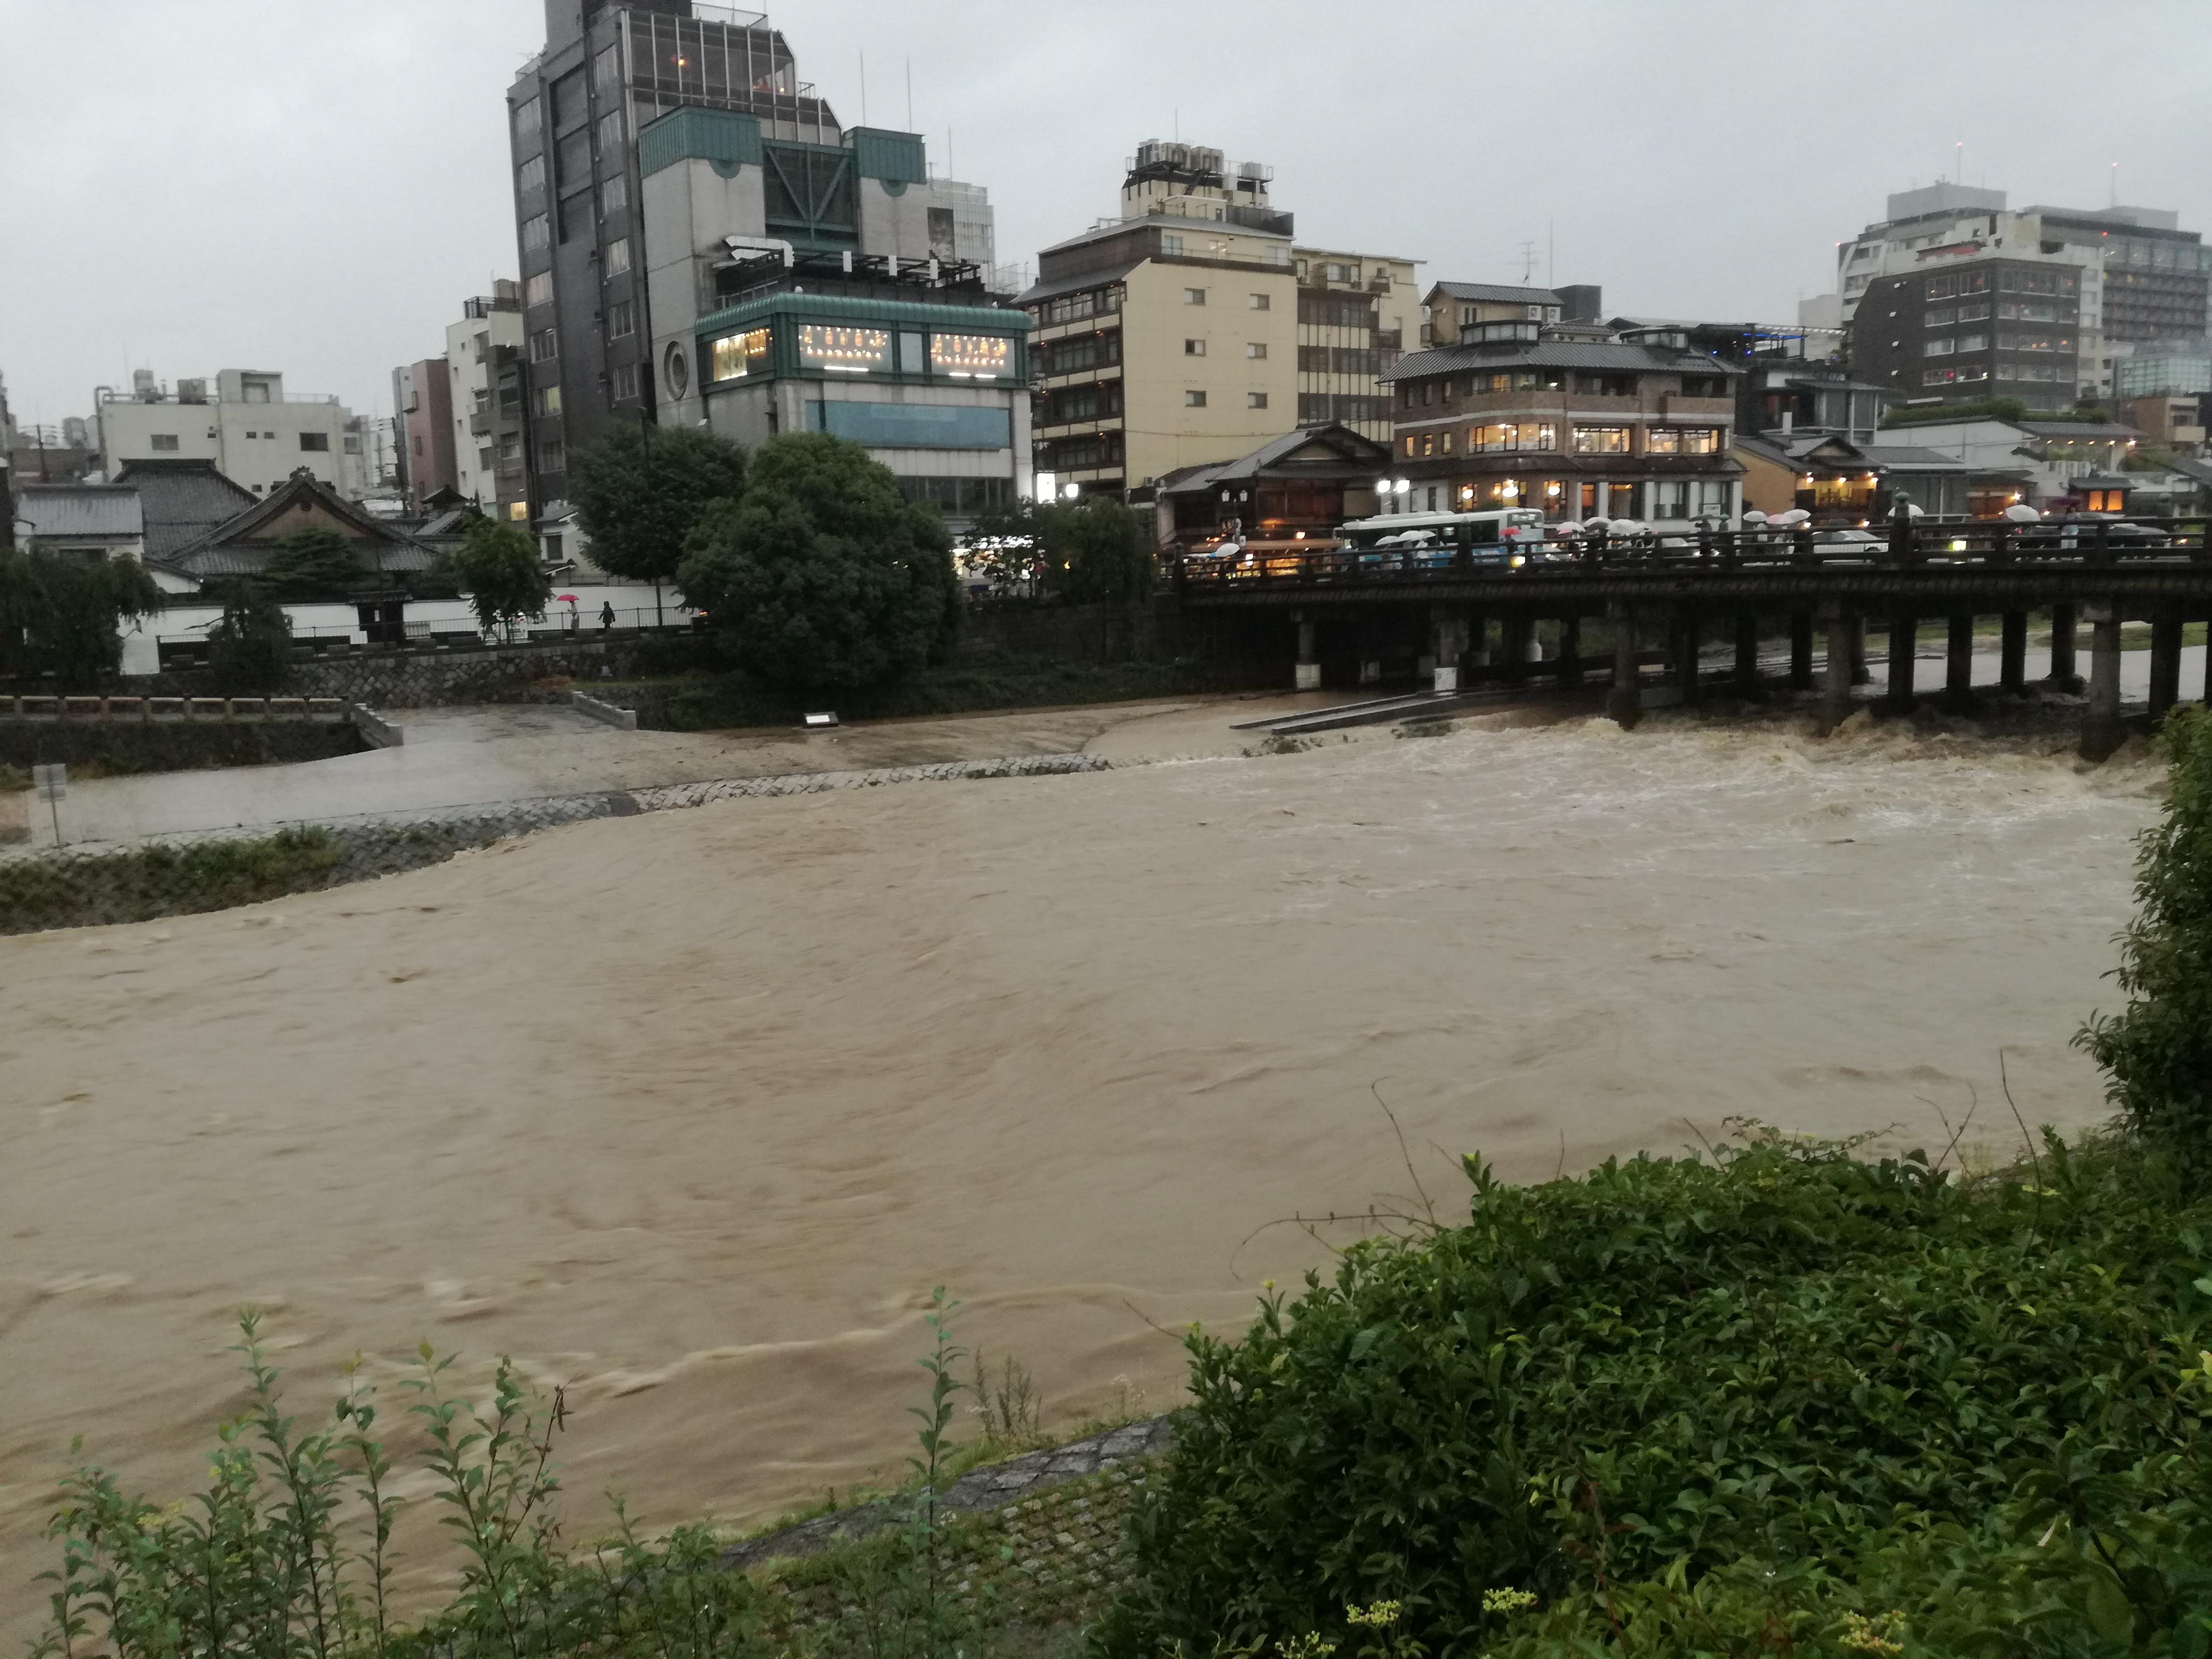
[[2158, 1050], [1733, 1406]]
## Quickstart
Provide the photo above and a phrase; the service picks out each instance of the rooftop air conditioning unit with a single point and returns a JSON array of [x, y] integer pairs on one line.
[[191, 392]]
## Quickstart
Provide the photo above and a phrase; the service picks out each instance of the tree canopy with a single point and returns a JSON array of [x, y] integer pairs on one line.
[[59, 614], [250, 645], [640, 490], [822, 577], [1094, 551], [311, 562], [498, 566]]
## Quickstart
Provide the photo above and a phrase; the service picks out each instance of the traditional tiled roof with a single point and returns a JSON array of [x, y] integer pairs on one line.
[[108, 513], [240, 545], [181, 501]]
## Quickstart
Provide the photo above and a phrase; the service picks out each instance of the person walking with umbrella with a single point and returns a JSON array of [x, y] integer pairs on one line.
[[575, 621]]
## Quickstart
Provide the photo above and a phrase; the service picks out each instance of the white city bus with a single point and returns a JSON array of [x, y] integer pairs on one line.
[[1431, 540]]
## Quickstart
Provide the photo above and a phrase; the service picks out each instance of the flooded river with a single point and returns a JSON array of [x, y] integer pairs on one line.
[[690, 1111]]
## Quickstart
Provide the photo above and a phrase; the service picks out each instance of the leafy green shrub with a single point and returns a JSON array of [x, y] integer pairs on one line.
[[2157, 1050], [823, 578], [250, 645], [640, 489], [1715, 1406], [313, 564], [498, 566]]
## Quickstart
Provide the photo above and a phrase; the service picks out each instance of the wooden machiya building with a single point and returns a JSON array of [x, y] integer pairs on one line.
[[1297, 489], [1576, 420]]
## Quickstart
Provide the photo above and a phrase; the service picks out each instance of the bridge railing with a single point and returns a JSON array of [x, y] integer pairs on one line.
[[1692, 549]]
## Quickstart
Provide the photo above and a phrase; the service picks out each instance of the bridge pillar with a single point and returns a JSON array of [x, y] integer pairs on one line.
[[1686, 640], [1448, 632], [2102, 731], [1801, 651], [1903, 642], [1861, 674], [2012, 657], [1959, 666], [2063, 676], [1478, 642], [1836, 691], [1309, 670], [1570, 650], [1624, 704], [1746, 655], [2165, 663], [1516, 636]]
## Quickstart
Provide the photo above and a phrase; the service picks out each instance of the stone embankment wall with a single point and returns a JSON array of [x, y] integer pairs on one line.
[[1039, 1536]]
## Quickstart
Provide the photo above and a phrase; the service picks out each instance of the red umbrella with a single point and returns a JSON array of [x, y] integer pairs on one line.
[[564, 599]]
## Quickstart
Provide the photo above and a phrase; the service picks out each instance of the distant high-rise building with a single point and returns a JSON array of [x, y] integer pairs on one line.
[[610, 293], [2140, 276]]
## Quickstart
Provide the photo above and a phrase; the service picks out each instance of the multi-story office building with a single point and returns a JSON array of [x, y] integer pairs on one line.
[[1519, 413], [1193, 328], [255, 432], [484, 371], [600, 337], [422, 394], [2140, 276], [1977, 327]]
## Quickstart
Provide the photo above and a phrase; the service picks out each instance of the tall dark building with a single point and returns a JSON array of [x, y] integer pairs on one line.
[[609, 67], [1967, 329]]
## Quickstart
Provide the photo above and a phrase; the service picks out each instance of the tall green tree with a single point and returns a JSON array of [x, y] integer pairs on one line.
[[823, 578], [61, 614], [640, 491], [1098, 551], [1094, 551], [250, 645], [2157, 1051], [498, 565], [312, 563]]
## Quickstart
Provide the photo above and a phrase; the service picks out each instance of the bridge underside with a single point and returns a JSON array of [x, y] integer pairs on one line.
[[1460, 627]]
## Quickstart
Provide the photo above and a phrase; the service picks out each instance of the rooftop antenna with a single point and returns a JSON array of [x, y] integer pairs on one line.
[[1551, 253], [909, 94], [1959, 162], [864, 88], [1528, 262], [2114, 199]]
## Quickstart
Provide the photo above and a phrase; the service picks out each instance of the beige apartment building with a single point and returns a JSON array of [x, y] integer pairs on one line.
[[254, 431], [1193, 329]]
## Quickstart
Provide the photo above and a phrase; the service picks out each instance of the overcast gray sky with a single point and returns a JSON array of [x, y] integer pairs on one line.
[[314, 185]]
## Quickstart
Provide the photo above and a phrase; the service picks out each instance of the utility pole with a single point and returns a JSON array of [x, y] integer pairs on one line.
[[7, 508]]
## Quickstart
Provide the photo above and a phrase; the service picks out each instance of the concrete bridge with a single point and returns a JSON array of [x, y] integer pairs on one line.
[[1466, 616]]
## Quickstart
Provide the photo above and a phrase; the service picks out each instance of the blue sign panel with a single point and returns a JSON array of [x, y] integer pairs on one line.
[[914, 426]]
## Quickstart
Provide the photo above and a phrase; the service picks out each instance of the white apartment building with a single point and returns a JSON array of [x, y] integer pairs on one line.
[[483, 357], [253, 430]]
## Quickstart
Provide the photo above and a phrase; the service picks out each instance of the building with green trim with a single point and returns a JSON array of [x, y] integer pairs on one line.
[[794, 288], [646, 137]]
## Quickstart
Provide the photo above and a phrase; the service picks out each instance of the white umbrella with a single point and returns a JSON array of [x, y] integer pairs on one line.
[[1796, 515], [1753, 517], [2021, 512]]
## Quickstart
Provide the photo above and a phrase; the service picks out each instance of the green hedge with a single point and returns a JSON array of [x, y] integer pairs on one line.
[[1785, 1400], [158, 880]]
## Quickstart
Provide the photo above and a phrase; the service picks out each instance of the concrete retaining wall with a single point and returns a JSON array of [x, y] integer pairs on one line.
[[623, 720], [172, 746]]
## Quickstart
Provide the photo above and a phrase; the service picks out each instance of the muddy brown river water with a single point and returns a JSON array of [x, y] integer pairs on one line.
[[690, 1111]]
